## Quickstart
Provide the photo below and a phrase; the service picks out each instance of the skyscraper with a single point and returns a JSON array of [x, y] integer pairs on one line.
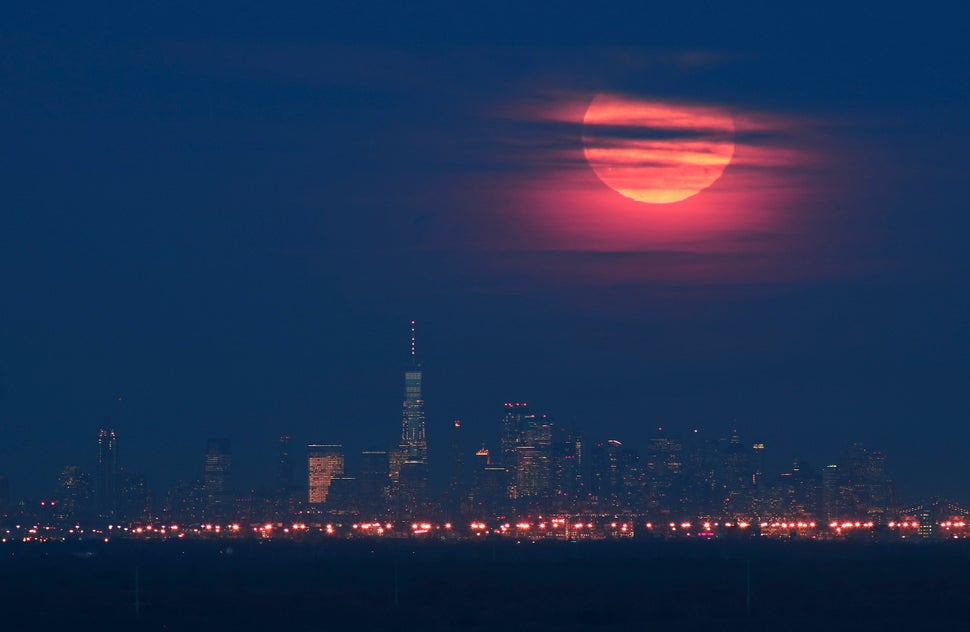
[[324, 463], [566, 466], [287, 495], [413, 433], [662, 470], [134, 497], [457, 485], [217, 479], [534, 466], [515, 420], [106, 476], [374, 483], [284, 468], [73, 495], [343, 496], [412, 498]]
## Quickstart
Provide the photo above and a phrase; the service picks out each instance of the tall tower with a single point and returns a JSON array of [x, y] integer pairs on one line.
[[217, 482], [512, 434], [286, 497], [457, 461], [106, 478], [413, 436], [284, 468], [457, 486]]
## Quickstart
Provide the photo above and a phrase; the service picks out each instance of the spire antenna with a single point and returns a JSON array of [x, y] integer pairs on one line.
[[413, 347]]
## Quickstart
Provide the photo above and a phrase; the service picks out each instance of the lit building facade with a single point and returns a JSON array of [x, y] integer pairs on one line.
[[324, 463], [413, 428]]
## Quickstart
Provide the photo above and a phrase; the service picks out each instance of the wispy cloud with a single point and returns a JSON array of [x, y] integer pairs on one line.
[[542, 195]]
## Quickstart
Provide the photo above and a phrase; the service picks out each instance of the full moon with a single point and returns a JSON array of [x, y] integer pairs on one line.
[[656, 152]]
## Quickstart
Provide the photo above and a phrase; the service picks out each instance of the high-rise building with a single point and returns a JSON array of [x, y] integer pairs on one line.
[[287, 494], [324, 463], [185, 502], [630, 481], [457, 485], [395, 459], [217, 479], [534, 458], [662, 470], [737, 476], [868, 489], [604, 478], [285, 479], [343, 497], [528, 477], [799, 493], [106, 475], [374, 483], [515, 418], [879, 487], [831, 493], [566, 467], [490, 495], [413, 431], [413, 490], [73, 495], [135, 499], [758, 482], [701, 491]]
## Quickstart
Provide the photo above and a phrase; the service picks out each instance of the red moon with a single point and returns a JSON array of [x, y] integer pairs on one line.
[[656, 152]]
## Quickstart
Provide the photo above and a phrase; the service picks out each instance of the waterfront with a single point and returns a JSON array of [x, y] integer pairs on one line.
[[495, 585]]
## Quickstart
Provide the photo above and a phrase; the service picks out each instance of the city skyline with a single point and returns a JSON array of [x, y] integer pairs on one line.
[[474, 316], [258, 476], [216, 229], [526, 445]]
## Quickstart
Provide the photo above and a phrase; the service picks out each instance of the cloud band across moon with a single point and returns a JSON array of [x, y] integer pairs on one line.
[[656, 152], [624, 173]]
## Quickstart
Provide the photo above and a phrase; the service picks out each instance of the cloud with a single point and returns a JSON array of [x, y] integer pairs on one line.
[[541, 194]]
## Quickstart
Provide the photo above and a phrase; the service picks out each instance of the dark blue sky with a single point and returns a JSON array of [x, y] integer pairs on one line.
[[228, 215]]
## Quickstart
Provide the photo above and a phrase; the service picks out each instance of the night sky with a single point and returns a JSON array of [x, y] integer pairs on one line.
[[219, 222]]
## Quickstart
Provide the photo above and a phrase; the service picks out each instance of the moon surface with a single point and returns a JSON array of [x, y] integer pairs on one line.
[[656, 152]]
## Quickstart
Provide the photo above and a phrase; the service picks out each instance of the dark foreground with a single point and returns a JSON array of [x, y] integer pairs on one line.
[[503, 586]]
